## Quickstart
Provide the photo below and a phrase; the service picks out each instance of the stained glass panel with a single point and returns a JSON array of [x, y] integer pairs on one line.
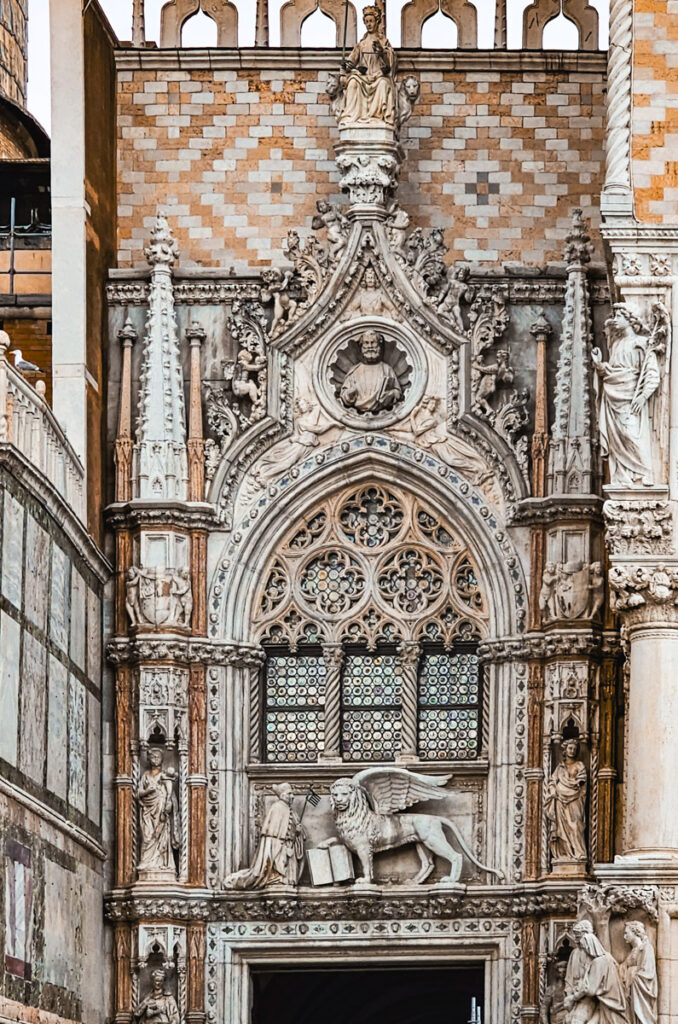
[[294, 714], [371, 735], [449, 713], [448, 678]]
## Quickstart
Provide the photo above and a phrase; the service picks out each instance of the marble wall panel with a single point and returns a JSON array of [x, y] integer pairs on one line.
[[12, 549], [10, 640], [60, 603], [57, 729], [93, 762], [33, 691], [78, 627], [77, 783], [93, 637], [36, 568], [63, 938]]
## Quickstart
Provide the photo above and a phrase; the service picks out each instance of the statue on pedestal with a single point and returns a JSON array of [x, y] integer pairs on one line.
[[368, 78], [565, 806], [158, 817]]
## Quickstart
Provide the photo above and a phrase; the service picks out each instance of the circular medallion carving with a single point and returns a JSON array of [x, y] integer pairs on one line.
[[371, 373]]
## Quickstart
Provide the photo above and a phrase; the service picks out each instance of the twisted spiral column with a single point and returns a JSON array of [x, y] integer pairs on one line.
[[618, 138], [408, 664], [333, 656]]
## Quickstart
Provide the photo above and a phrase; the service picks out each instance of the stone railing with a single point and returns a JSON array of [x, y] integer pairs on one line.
[[28, 423]]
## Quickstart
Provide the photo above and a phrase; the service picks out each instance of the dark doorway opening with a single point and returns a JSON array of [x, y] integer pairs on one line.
[[381, 995]]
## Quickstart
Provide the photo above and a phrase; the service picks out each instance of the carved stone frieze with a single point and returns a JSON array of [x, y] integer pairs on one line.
[[542, 511], [188, 651], [638, 527], [554, 644], [193, 515], [195, 292]]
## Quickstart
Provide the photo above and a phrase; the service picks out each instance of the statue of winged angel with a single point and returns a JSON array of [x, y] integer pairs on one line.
[[364, 812]]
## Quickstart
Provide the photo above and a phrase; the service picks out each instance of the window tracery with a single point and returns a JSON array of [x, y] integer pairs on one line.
[[370, 611]]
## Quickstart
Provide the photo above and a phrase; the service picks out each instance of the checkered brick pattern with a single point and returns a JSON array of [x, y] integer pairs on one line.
[[238, 158], [655, 111]]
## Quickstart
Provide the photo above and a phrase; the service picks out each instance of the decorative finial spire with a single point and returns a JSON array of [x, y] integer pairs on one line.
[[577, 244], [163, 249]]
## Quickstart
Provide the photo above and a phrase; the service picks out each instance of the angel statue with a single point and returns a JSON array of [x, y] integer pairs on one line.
[[629, 379], [364, 812]]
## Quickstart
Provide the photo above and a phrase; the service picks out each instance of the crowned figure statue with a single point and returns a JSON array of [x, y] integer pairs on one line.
[[368, 78]]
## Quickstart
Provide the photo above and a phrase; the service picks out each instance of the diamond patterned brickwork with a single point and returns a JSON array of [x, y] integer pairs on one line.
[[239, 158], [655, 112]]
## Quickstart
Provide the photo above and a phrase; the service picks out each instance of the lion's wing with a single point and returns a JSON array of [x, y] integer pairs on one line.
[[394, 789]]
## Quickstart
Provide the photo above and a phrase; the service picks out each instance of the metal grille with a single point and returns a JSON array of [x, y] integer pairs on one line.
[[449, 705]]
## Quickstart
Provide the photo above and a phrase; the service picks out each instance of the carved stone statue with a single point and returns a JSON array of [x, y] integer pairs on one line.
[[639, 975], [408, 94], [571, 590], [629, 378], [158, 817], [364, 809], [280, 853], [370, 299], [427, 429], [371, 385], [455, 289], [181, 603], [368, 78], [159, 1007], [159, 597], [337, 225], [276, 289], [595, 993], [565, 806], [552, 1009]]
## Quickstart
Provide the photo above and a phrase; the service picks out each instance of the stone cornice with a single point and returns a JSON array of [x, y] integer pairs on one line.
[[39, 486], [560, 643], [307, 59], [185, 515], [192, 286], [126, 650], [557, 507]]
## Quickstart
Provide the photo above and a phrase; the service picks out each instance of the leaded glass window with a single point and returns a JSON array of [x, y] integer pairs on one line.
[[370, 712], [295, 698], [449, 705]]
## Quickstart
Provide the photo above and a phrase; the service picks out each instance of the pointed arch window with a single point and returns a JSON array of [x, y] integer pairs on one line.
[[370, 613]]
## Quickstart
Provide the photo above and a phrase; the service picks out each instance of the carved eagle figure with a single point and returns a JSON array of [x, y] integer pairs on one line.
[[365, 809]]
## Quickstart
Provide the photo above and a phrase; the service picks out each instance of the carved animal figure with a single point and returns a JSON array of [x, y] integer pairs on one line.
[[364, 809]]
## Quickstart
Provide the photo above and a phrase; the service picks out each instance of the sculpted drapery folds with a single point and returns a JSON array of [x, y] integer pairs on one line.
[[280, 854], [158, 816], [371, 385], [595, 992], [639, 975], [159, 1006], [368, 78], [629, 379], [565, 806]]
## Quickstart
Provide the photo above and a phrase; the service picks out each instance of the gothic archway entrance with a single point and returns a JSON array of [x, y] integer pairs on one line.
[[373, 995]]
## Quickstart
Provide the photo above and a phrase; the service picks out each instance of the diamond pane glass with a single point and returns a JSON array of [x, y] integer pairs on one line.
[[370, 679], [448, 734], [449, 679], [372, 735], [295, 697]]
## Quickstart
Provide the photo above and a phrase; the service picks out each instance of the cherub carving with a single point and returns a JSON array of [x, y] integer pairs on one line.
[[455, 289], [364, 809], [337, 227], [277, 283], [491, 375]]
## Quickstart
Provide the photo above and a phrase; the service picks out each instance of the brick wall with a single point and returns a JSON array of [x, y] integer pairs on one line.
[[655, 111], [237, 158]]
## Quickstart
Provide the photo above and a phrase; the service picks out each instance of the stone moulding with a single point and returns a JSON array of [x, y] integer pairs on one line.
[[137, 515], [188, 651], [556, 508], [560, 643]]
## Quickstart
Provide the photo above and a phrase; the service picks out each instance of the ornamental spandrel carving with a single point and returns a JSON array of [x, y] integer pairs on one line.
[[633, 395], [638, 527]]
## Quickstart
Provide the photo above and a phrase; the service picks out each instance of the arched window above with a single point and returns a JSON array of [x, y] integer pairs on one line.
[[370, 613]]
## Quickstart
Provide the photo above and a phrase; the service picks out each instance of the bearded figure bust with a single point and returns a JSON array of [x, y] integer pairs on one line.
[[371, 385]]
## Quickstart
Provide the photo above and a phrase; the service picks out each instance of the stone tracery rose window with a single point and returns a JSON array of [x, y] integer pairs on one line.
[[370, 612]]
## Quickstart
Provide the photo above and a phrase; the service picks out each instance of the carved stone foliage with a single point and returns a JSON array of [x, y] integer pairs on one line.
[[492, 397], [638, 527], [645, 592], [240, 400], [157, 597], [633, 385], [371, 565], [364, 807]]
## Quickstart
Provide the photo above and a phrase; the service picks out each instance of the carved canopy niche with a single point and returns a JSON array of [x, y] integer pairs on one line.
[[371, 565]]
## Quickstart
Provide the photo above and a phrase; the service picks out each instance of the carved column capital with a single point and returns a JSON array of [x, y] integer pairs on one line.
[[645, 593]]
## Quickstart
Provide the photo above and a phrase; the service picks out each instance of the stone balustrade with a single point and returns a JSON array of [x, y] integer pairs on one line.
[[28, 424]]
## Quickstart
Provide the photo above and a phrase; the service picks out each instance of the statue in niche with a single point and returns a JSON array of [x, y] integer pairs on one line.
[[364, 807], [639, 975], [552, 1009], [158, 816], [595, 994], [565, 806], [280, 853], [371, 385], [368, 78], [309, 425], [159, 1007], [628, 379], [427, 430]]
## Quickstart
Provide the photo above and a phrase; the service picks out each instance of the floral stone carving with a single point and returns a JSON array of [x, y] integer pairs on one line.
[[364, 812], [638, 527]]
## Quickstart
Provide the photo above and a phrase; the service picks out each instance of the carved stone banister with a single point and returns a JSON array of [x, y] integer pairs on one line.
[[28, 423]]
